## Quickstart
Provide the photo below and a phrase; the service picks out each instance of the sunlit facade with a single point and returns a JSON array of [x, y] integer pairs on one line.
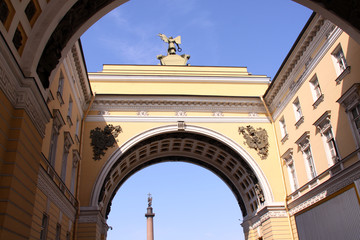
[[288, 150]]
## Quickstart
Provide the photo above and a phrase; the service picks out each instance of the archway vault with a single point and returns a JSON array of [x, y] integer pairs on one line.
[[195, 145]]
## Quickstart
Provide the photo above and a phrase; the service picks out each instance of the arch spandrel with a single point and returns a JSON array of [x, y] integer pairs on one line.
[[197, 145]]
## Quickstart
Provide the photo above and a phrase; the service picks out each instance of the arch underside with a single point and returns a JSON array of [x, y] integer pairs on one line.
[[186, 147], [345, 14]]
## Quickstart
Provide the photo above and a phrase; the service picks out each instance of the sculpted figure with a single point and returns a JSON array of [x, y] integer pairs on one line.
[[149, 200], [172, 42]]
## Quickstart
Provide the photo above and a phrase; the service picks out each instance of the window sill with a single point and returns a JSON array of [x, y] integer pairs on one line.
[[299, 122], [68, 118], [318, 101], [60, 98], [77, 139], [342, 75], [286, 137]]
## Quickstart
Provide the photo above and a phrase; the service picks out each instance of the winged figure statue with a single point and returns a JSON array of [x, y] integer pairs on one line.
[[172, 42]]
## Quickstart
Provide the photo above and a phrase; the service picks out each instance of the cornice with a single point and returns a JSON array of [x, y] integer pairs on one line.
[[102, 77], [109, 118], [287, 83], [81, 71], [177, 103], [331, 186], [22, 92]]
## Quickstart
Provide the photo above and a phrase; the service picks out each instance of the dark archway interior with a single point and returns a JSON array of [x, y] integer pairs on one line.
[[175, 158]]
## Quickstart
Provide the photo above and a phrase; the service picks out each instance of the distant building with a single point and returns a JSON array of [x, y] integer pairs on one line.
[[288, 150]]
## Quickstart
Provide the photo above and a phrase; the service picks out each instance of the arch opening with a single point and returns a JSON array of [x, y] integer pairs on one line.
[[198, 149], [188, 200]]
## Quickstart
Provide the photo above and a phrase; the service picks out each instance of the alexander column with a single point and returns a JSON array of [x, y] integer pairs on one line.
[[149, 216]]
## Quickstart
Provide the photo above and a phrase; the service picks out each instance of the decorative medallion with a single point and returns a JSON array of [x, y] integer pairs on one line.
[[101, 140], [257, 139]]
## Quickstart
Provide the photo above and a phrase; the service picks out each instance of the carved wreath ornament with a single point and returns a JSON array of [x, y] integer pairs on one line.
[[102, 139], [257, 139]]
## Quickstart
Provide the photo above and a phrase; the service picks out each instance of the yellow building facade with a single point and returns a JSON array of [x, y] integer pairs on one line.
[[288, 149]]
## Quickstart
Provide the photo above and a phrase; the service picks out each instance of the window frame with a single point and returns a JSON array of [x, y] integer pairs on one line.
[[304, 144], [290, 166]]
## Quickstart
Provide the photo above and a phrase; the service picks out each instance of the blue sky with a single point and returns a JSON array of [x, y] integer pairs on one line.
[[190, 202]]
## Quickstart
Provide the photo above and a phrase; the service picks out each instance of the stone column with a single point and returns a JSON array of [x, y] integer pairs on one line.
[[149, 218]]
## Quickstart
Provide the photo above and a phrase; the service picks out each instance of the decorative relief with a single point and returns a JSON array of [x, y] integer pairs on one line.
[[308, 203], [257, 139], [104, 113], [181, 114], [218, 114], [101, 140], [259, 193], [143, 114]]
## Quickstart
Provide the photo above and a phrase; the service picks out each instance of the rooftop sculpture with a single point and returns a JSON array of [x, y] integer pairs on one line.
[[172, 58]]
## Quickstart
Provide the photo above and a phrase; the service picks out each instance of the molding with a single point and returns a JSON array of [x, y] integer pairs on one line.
[[22, 92], [320, 192], [351, 97], [174, 128], [177, 103], [81, 71], [286, 85], [174, 119], [52, 191], [93, 215], [342, 75], [318, 101], [99, 77], [264, 214]]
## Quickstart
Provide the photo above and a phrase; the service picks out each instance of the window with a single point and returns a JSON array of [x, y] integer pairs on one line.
[[70, 107], [310, 163], [70, 112], [44, 227], [61, 83], [350, 100], [298, 113], [315, 88], [60, 88], [67, 144], [287, 156], [331, 146], [77, 130], [304, 145], [284, 134], [68, 235], [76, 159], [318, 97], [58, 232], [339, 60], [355, 115], [58, 122], [324, 127]]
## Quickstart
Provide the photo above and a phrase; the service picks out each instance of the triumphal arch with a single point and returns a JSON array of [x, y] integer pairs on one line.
[[288, 150]]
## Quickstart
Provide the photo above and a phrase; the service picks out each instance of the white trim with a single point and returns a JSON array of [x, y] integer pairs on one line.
[[174, 128], [99, 77], [210, 119], [292, 85]]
